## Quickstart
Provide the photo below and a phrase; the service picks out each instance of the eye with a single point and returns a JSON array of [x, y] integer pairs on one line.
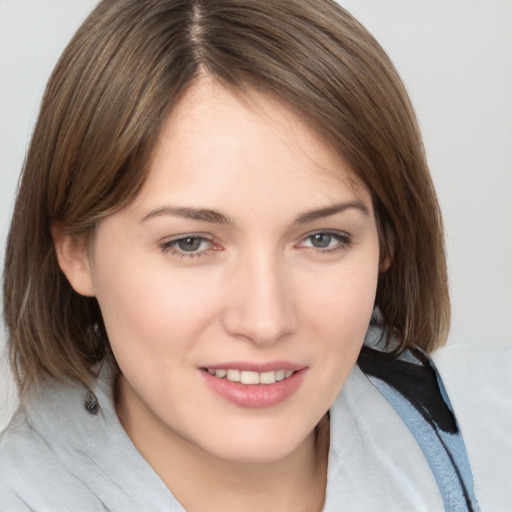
[[326, 241], [191, 243], [189, 246], [321, 240]]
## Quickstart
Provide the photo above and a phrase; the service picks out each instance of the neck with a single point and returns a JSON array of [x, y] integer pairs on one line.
[[296, 482]]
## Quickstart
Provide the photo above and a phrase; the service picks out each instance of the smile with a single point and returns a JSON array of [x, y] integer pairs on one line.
[[244, 386], [249, 377]]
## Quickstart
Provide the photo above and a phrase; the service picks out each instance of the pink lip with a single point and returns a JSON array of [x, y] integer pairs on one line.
[[255, 396], [256, 367]]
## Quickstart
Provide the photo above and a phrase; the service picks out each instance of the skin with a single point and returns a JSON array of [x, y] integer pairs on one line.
[[256, 288]]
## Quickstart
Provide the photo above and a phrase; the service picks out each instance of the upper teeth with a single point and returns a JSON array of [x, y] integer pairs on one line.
[[246, 377]]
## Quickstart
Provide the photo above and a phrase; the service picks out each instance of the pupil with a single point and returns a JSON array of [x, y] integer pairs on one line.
[[189, 244], [321, 240]]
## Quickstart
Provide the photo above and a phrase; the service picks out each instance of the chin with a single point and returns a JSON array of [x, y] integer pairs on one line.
[[256, 445], [253, 453]]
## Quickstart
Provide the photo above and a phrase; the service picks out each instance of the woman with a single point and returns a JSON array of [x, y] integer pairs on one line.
[[218, 201]]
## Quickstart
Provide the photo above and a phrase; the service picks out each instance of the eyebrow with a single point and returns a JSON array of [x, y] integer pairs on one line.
[[331, 210], [207, 215], [200, 214]]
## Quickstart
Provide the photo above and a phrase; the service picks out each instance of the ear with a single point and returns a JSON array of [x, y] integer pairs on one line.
[[387, 251], [73, 259], [385, 261]]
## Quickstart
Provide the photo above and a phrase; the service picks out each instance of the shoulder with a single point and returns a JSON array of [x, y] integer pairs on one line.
[[29, 469], [478, 377], [478, 381], [375, 462], [59, 454]]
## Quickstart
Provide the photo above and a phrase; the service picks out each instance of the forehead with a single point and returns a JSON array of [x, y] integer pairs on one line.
[[217, 143]]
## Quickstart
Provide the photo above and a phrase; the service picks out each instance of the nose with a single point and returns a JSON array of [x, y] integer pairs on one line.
[[261, 303]]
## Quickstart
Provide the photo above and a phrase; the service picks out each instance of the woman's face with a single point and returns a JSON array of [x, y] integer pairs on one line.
[[250, 254]]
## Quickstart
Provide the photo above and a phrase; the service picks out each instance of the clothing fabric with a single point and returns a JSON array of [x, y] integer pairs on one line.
[[66, 450], [478, 380], [414, 388]]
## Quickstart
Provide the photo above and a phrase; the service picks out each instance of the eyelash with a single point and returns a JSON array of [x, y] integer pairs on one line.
[[344, 240], [170, 246]]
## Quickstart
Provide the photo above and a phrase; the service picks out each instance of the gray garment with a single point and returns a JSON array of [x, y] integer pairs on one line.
[[56, 456]]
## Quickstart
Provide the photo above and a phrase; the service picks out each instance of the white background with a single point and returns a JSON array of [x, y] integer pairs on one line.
[[455, 57]]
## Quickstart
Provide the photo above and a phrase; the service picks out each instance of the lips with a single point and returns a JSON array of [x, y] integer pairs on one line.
[[254, 386], [250, 377]]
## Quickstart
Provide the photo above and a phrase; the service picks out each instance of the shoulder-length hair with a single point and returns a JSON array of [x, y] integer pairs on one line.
[[101, 114]]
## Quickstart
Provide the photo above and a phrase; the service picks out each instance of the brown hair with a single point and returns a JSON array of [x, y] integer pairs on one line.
[[105, 102]]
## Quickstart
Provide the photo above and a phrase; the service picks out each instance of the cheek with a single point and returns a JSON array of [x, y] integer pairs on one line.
[[151, 312], [343, 299], [340, 312]]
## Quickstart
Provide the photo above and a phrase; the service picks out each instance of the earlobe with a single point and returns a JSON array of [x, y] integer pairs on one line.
[[385, 261], [73, 259], [387, 250]]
